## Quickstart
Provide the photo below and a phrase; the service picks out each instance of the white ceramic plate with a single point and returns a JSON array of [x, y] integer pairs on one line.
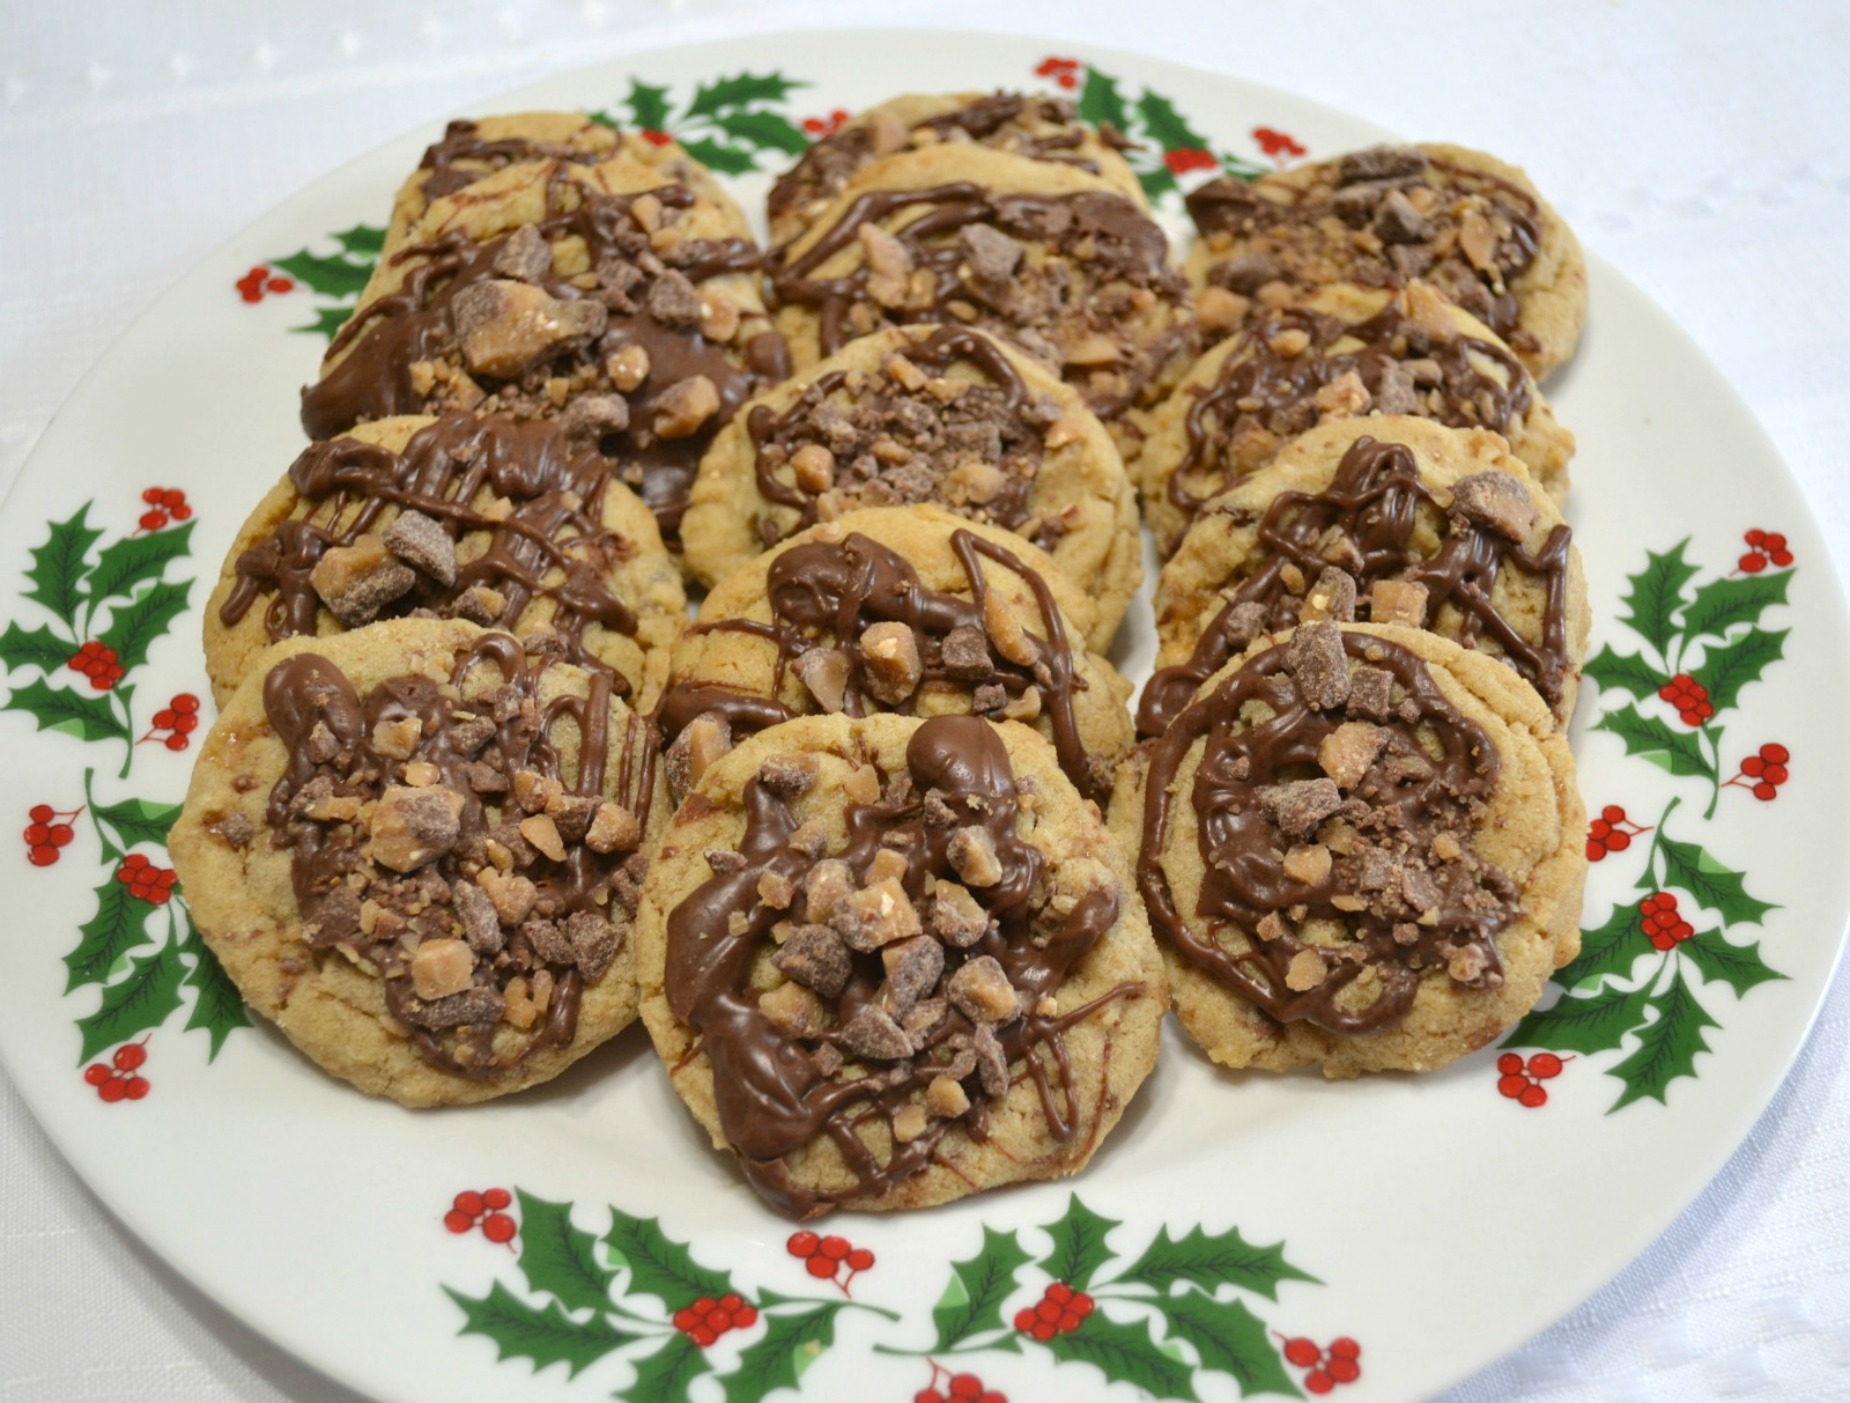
[[1409, 1230]]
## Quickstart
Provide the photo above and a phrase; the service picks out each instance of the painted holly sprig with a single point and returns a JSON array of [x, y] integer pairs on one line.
[[334, 279], [727, 124], [638, 1293]]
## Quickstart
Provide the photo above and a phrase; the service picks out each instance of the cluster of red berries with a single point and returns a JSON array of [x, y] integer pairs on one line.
[[826, 126], [1184, 159], [145, 881], [1522, 1081], [1276, 143], [164, 504], [707, 1319], [825, 1257], [122, 1079], [1060, 1311], [470, 1208], [960, 1388], [1064, 71], [1662, 922], [99, 664], [48, 831], [1766, 771], [655, 138], [1328, 1367], [1689, 697], [1611, 832], [1764, 548], [254, 284], [175, 722]]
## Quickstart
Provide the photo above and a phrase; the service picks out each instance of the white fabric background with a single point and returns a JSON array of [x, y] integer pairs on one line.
[[1703, 147]]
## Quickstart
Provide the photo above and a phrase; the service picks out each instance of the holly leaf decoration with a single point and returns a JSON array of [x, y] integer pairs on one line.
[[544, 1335], [1679, 752], [137, 821], [1157, 182], [1727, 669], [1740, 967], [1656, 594], [140, 1000], [1626, 672], [1667, 1048], [972, 1301], [134, 628], [1722, 604], [330, 275], [119, 925], [648, 106], [1591, 1024], [1100, 102], [1208, 1260], [791, 1343], [218, 1007], [1716, 888], [560, 1258], [328, 321], [732, 160], [740, 90], [57, 568], [56, 709], [1231, 1339], [765, 130], [1607, 951], [1126, 1354], [39, 647], [123, 565], [1166, 126], [1079, 1248], [362, 241], [664, 1377], [660, 1266]]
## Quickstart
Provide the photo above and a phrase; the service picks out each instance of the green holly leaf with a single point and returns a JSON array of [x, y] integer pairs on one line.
[[362, 241], [126, 564], [1157, 182], [1626, 672], [1079, 1248], [1208, 1260], [1667, 1048], [218, 1007], [732, 160], [134, 627], [119, 925], [660, 1266], [768, 131], [972, 1301], [1721, 604], [39, 647], [740, 90], [88, 718], [331, 275], [1740, 967], [560, 1258], [648, 106], [1166, 126], [328, 321], [604, 119], [140, 1000], [1592, 1023], [1126, 1354], [1728, 668], [1100, 102], [664, 1377], [1716, 888], [1607, 951], [545, 1336], [1679, 752], [1231, 1339], [791, 1343], [1651, 604], [58, 566], [138, 821]]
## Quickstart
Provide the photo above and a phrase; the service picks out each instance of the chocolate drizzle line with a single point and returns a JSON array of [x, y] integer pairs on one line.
[[772, 1095], [464, 156], [822, 590], [329, 730], [1364, 523], [1122, 242], [1397, 809], [556, 525], [416, 324]]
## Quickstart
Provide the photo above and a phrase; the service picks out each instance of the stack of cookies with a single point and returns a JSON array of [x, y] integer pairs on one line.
[[481, 795]]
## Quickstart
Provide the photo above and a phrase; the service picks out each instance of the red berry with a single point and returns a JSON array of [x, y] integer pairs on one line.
[[1049, 1311], [1082, 1305], [1067, 80], [1595, 851], [685, 1318], [1772, 752], [1618, 842], [821, 1266], [1764, 791], [42, 857], [44, 813], [128, 1058], [1544, 1065], [497, 1198], [1512, 1086], [186, 701], [703, 1335], [1661, 942], [1025, 1318], [134, 860], [860, 1259], [993, 1396], [96, 1074], [1044, 1330], [1534, 1096], [924, 1395], [1751, 564], [1345, 1371], [836, 1247], [1612, 813], [470, 1202], [706, 1305], [458, 1221], [152, 496], [731, 1301], [1302, 1352], [1068, 1322], [802, 1244], [1782, 558], [153, 521], [113, 1090], [1509, 1064], [138, 1087], [498, 1227], [1345, 1348], [1775, 775], [1775, 541], [1599, 828], [745, 1317], [1317, 1381], [1683, 930], [163, 721], [36, 834], [966, 1386], [719, 1321]]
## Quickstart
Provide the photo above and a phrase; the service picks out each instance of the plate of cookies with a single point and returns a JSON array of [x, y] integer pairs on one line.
[[635, 712]]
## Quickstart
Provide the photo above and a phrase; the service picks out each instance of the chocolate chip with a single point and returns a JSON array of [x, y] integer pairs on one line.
[[993, 255], [1245, 273], [1497, 501], [1319, 665], [787, 776], [992, 1063], [1371, 693], [525, 257], [235, 829], [467, 737], [814, 956], [873, 1034], [471, 1008], [1297, 808], [1397, 221], [549, 942], [595, 942], [1380, 163], [672, 300], [965, 653], [423, 543], [912, 970], [481, 926], [336, 917], [590, 418]]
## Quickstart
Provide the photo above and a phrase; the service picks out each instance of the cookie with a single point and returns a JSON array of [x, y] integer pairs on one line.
[[923, 414], [405, 850], [1024, 124], [889, 963], [605, 297], [1360, 847], [481, 518], [1389, 519], [1474, 227], [1346, 352], [1046, 257], [902, 609]]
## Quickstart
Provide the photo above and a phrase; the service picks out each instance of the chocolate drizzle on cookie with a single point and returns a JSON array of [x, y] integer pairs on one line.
[[464, 156], [923, 954], [1336, 546], [440, 841], [1334, 800]]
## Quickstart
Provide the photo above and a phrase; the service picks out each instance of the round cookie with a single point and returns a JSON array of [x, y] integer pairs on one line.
[[901, 609], [1471, 225], [502, 523], [889, 963], [1039, 127], [606, 297], [1402, 908], [1344, 353], [1046, 257], [923, 414], [405, 853], [1390, 519]]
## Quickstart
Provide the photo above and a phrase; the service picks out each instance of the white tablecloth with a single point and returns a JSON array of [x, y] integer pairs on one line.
[[1703, 148]]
